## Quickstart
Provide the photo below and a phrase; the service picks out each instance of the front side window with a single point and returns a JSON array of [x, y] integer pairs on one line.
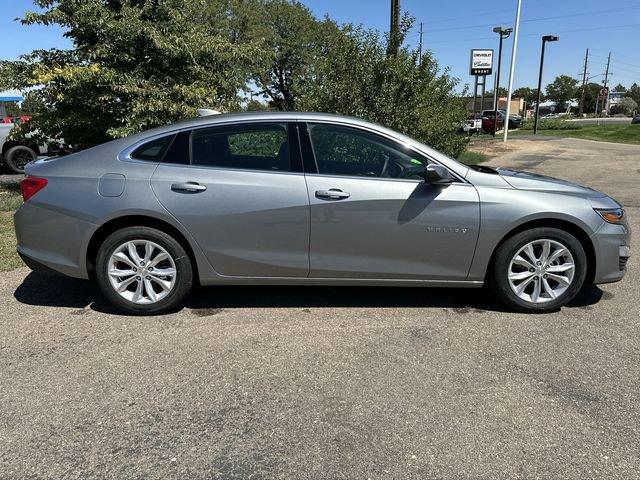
[[349, 151], [247, 147]]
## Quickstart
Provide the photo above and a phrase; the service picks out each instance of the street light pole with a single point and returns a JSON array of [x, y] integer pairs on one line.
[[545, 39], [504, 33], [512, 68]]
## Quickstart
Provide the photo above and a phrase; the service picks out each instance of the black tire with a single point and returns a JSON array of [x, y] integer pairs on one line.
[[507, 251], [17, 157], [184, 270]]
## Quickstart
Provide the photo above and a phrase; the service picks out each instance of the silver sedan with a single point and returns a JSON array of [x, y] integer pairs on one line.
[[309, 199]]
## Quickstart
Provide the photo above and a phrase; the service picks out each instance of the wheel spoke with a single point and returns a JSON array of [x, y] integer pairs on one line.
[[115, 272], [531, 254], [560, 268], [520, 275], [546, 248], [133, 252], [137, 296], [520, 288], [548, 289], [564, 281], [557, 254], [535, 295], [158, 258], [166, 286], [164, 272], [520, 260], [121, 257], [123, 285], [148, 251], [150, 292]]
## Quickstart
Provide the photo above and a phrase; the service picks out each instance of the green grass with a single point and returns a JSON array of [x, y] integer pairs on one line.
[[472, 158], [10, 199], [603, 133]]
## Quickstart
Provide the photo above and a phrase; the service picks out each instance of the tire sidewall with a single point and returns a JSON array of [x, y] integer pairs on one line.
[[184, 271], [8, 157], [508, 250]]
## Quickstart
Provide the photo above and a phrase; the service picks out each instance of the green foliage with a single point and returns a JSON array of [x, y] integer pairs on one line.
[[551, 124], [530, 95], [563, 89], [472, 158], [135, 65], [620, 88], [627, 106], [592, 91], [634, 93], [403, 92]]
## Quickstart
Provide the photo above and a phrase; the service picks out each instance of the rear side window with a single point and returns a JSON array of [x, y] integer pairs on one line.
[[154, 150], [246, 146]]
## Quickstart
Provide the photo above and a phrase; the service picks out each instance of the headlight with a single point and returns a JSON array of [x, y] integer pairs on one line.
[[611, 215]]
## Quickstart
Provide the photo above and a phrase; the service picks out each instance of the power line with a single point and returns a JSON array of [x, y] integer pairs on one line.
[[540, 19]]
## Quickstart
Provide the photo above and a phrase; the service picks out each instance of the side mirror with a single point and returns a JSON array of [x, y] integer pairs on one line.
[[438, 175]]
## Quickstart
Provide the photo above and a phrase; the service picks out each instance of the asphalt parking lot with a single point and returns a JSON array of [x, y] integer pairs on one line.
[[252, 383]]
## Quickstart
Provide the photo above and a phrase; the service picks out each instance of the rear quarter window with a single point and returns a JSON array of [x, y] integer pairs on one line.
[[153, 151]]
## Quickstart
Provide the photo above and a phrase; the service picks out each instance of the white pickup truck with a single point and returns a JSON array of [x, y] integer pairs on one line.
[[16, 154]]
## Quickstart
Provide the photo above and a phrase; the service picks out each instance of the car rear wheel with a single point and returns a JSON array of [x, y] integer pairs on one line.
[[539, 270], [17, 157], [142, 270]]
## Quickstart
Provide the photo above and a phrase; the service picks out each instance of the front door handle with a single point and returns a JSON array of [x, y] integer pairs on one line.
[[332, 194], [189, 187]]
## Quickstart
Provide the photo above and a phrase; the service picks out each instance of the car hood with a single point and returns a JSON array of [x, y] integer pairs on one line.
[[533, 181]]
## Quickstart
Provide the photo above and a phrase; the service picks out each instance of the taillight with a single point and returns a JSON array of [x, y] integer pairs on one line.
[[29, 186]]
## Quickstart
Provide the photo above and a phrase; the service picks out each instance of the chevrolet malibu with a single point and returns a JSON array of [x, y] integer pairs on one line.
[[309, 199]]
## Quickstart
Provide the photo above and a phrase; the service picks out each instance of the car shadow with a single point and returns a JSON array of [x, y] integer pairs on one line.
[[48, 290]]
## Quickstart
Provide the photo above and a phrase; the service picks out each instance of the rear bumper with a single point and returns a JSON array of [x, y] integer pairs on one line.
[[51, 240], [612, 245]]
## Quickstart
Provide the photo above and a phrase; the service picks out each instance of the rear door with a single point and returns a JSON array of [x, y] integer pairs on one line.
[[242, 195], [373, 217]]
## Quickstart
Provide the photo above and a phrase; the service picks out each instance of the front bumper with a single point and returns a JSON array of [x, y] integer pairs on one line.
[[612, 249]]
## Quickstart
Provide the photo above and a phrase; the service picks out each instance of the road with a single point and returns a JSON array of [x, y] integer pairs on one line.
[[252, 383]]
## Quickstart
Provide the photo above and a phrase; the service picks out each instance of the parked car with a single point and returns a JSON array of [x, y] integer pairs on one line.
[[488, 121], [275, 198], [15, 154], [514, 120], [471, 126], [635, 119]]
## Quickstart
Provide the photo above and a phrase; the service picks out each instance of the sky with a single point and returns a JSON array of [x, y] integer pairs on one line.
[[451, 29]]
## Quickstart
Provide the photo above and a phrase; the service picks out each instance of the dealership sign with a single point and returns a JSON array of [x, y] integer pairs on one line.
[[481, 62]]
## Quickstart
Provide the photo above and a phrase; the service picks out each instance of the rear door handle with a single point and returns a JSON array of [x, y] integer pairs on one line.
[[189, 187], [332, 194]]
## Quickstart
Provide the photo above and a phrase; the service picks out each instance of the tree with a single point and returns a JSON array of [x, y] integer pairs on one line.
[[626, 106], [592, 92], [292, 41], [502, 92], [562, 90], [620, 88], [134, 65], [406, 93], [529, 95], [634, 93]]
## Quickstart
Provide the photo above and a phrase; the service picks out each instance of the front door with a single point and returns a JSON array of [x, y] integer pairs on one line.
[[373, 217], [241, 198]]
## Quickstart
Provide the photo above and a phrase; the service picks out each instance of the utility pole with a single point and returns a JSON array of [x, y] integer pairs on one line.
[[421, 33], [605, 101], [584, 83], [394, 31]]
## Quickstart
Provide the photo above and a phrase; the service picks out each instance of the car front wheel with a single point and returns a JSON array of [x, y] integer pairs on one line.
[[539, 270], [142, 270]]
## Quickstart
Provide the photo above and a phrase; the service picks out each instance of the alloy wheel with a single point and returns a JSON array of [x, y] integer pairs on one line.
[[141, 272], [541, 271]]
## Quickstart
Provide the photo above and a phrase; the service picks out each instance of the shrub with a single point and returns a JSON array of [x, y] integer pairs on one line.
[[551, 124]]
